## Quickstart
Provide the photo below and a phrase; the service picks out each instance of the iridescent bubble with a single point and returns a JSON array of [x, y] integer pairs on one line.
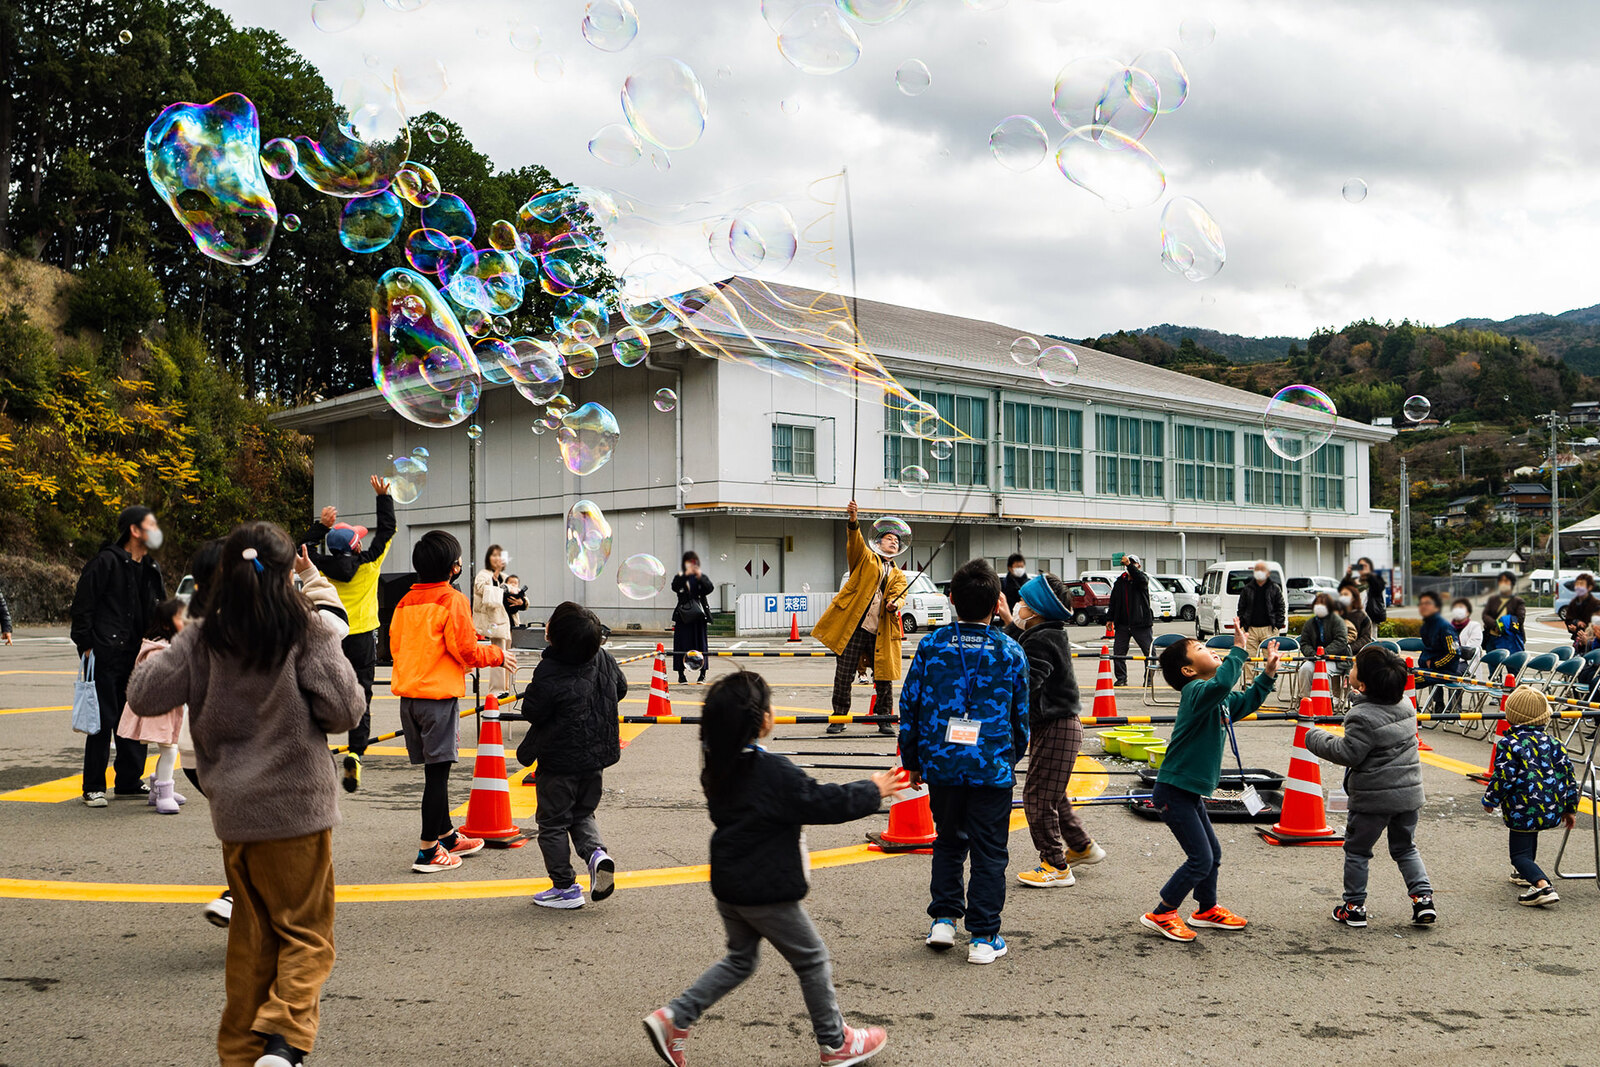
[[641, 577], [278, 157], [920, 419], [588, 540], [790, 106], [763, 237], [437, 133], [526, 38], [616, 145], [1129, 103], [554, 230], [430, 251], [494, 356], [1191, 240], [503, 235], [1299, 419], [204, 161], [536, 372], [588, 435], [538, 427], [581, 358], [417, 184], [559, 406], [805, 587], [630, 345], [412, 307], [1080, 85], [1057, 365], [874, 12], [450, 214], [817, 40], [913, 481], [475, 432], [666, 399], [423, 365], [1197, 32], [502, 325], [777, 12], [420, 452], [581, 316], [610, 25], [941, 449], [685, 484], [647, 315], [336, 16], [549, 67], [913, 77], [367, 110], [665, 103], [408, 480], [419, 82], [1417, 408], [487, 280], [369, 223], [342, 164], [290, 222], [1117, 169], [1355, 190], [125, 37], [1172, 81], [1018, 143], [694, 660], [1025, 351]]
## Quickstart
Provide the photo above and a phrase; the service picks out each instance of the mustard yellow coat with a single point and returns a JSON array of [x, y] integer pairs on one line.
[[838, 623]]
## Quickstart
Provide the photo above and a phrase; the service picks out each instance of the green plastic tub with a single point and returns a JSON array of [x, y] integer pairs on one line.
[[1156, 754], [1133, 748], [1111, 740]]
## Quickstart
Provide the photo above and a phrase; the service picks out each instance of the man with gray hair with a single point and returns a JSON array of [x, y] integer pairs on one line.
[[1261, 610]]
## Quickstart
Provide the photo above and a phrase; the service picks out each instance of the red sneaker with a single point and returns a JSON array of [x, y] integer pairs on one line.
[[464, 846], [1168, 925], [666, 1036], [859, 1045], [438, 860], [1218, 918]]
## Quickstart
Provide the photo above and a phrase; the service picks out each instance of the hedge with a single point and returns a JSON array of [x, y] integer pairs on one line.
[[1391, 628], [37, 592]]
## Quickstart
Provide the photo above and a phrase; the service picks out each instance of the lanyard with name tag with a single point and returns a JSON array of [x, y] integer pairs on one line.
[[963, 731]]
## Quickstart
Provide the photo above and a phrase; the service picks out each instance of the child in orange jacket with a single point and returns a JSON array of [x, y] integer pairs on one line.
[[434, 644]]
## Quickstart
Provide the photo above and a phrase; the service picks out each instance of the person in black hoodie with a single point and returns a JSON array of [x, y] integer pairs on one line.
[[1377, 606], [760, 870], [111, 609], [1131, 615], [1055, 734], [1262, 611], [571, 704], [1015, 578]]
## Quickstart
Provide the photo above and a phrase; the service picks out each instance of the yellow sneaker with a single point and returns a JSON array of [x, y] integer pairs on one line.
[[1045, 876], [1093, 854]]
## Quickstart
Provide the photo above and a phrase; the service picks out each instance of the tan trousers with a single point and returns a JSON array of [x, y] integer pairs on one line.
[[1252, 647], [280, 943]]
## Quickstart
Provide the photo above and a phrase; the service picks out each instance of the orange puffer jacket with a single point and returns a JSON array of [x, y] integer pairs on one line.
[[433, 643]]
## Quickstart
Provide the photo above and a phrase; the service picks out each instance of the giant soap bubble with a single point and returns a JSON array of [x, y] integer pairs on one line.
[[588, 435], [359, 153], [641, 576], [1299, 420], [817, 40], [422, 361], [1191, 240], [1112, 166], [205, 161], [369, 223], [664, 103], [588, 540]]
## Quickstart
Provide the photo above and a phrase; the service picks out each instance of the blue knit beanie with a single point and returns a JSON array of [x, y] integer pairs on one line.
[[1037, 594]]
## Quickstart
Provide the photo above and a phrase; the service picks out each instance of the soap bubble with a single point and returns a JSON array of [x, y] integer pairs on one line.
[[874, 12], [423, 366], [610, 25], [630, 345], [1057, 365], [125, 37], [503, 236], [1018, 143], [369, 223], [204, 161], [685, 485], [502, 325], [694, 659], [538, 427], [588, 540], [475, 432], [1129, 103], [805, 587], [526, 38], [495, 357], [1197, 32], [486, 280], [941, 449], [336, 16], [418, 83], [761, 236], [1164, 66], [616, 145], [536, 370], [913, 77], [665, 103], [549, 67], [1299, 420], [417, 184], [913, 481], [817, 40], [666, 399], [554, 229], [290, 222], [1355, 190], [1191, 240], [559, 406], [342, 165], [412, 307], [437, 133], [1025, 351], [1417, 408], [588, 436], [790, 106], [1117, 169], [1080, 85], [449, 214], [278, 157], [641, 577], [920, 419], [409, 479], [581, 357], [419, 452]]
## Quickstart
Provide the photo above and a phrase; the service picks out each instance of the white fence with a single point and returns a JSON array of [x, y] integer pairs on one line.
[[769, 613]]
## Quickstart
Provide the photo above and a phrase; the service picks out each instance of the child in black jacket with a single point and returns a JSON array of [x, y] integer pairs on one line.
[[760, 869], [572, 706]]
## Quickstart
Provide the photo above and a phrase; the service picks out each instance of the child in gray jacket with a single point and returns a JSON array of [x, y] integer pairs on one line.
[[1384, 781]]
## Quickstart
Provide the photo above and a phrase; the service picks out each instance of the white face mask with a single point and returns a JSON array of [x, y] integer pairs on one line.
[[152, 538], [1505, 590], [1578, 589], [1019, 571], [1261, 576], [1458, 613], [1344, 600], [1320, 611]]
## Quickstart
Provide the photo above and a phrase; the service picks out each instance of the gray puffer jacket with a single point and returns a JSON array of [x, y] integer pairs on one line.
[[1379, 747]]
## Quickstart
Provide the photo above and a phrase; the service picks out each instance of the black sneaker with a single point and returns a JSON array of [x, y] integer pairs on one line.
[[1351, 914], [1538, 896], [220, 911], [836, 727], [1422, 913], [352, 772], [886, 729], [279, 1053], [142, 791]]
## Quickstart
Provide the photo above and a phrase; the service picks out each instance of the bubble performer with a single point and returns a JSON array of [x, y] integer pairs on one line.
[[863, 622]]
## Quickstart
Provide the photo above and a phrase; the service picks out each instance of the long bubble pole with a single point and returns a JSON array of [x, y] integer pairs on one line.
[[850, 236]]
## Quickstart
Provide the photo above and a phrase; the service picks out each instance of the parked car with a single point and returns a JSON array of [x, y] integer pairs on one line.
[[1185, 593], [1091, 601], [1219, 594], [1299, 593], [1162, 605], [925, 606]]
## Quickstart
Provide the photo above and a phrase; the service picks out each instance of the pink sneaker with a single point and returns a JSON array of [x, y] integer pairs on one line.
[[666, 1036], [859, 1045]]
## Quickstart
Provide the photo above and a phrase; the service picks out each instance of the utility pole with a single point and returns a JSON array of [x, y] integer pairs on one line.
[[1405, 533], [1555, 504]]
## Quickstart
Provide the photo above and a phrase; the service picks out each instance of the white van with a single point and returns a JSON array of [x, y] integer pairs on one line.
[[1219, 594], [924, 606], [1162, 604], [1185, 591]]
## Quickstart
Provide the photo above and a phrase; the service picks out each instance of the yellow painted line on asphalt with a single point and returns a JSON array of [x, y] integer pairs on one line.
[[68, 788], [69, 674], [25, 711], [525, 801]]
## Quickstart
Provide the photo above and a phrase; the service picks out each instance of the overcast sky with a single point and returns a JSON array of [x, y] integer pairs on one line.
[[1468, 120]]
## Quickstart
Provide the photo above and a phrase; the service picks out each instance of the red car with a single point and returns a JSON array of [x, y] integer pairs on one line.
[[1091, 601]]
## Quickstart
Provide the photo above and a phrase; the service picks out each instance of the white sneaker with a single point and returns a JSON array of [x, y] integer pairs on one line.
[[1093, 854], [986, 949], [219, 912], [94, 800], [942, 935]]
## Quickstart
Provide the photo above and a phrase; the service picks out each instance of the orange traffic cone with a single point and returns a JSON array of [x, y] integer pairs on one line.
[[489, 807], [794, 626], [1105, 692], [1304, 820], [659, 703], [910, 824], [1411, 695], [1321, 689]]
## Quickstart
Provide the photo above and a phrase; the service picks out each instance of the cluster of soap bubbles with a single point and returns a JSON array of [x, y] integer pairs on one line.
[[1055, 364], [664, 106], [589, 537], [1298, 421], [408, 476]]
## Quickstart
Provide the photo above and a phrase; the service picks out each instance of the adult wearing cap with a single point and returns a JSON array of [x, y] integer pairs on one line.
[[864, 618], [1055, 733], [1131, 615], [353, 563]]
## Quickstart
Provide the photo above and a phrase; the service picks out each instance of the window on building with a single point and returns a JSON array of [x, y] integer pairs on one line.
[[1327, 477], [1044, 448], [967, 460], [1202, 466], [794, 451], [1131, 459], [1269, 479]]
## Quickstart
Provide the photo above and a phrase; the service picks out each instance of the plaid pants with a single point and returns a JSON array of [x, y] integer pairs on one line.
[[860, 644], [1051, 754]]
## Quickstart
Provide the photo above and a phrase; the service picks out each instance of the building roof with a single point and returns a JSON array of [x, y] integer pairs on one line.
[[1524, 488], [1485, 555], [1462, 500], [1591, 525]]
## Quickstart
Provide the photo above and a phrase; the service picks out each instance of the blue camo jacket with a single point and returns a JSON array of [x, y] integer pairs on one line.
[[990, 685], [1532, 784]]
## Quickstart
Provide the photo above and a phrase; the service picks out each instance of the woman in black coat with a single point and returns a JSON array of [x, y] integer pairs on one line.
[[692, 617]]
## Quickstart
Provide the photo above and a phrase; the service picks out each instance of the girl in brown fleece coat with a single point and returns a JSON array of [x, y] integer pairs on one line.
[[265, 686]]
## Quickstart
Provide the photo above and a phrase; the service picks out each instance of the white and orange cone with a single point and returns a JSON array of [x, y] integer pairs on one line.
[[489, 806], [1304, 820], [1105, 690], [660, 703]]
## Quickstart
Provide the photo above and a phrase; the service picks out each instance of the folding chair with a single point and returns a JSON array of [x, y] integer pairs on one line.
[[1564, 685], [1588, 788], [1410, 644], [1562, 652], [1290, 647], [1390, 643], [1152, 667], [1536, 671], [1489, 664]]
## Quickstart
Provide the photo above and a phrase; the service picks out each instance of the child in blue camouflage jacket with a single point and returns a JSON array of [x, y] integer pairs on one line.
[[963, 728], [1532, 785]]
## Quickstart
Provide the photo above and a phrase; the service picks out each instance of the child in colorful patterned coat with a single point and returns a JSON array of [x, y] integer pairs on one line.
[[1533, 787]]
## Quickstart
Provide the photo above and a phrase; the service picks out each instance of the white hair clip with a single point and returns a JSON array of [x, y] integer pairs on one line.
[[249, 553]]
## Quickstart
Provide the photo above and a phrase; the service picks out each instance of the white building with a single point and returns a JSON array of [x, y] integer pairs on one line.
[[1124, 458]]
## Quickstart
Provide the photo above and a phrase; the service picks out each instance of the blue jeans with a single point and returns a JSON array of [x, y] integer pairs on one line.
[[1524, 847], [1185, 815], [973, 820]]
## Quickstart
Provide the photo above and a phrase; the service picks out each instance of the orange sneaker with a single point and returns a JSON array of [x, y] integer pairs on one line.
[[1218, 918], [1168, 925], [464, 845]]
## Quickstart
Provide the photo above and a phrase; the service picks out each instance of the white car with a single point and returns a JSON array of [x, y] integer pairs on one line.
[[1185, 593], [1219, 594], [1162, 604], [925, 607], [1300, 593]]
